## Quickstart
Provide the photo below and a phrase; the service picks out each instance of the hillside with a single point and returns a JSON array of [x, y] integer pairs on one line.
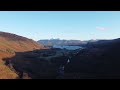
[[9, 45], [17, 43], [100, 60]]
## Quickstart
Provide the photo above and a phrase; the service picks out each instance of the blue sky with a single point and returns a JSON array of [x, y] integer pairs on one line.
[[80, 25]]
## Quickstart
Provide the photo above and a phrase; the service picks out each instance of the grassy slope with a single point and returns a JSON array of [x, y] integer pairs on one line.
[[10, 43], [6, 73]]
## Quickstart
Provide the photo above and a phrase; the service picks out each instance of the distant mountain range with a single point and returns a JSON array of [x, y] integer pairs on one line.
[[51, 42]]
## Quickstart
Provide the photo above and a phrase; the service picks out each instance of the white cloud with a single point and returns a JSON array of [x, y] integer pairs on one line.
[[101, 28]]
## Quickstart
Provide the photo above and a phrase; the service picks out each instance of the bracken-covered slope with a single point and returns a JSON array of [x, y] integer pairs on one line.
[[17, 43], [9, 44]]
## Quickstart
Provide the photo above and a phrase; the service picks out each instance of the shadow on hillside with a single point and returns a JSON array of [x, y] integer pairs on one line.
[[101, 61], [91, 63], [30, 65]]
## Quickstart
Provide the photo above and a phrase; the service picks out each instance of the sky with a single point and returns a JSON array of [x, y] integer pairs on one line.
[[79, 25]]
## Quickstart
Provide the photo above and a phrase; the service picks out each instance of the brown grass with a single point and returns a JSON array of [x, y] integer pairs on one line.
[[14, 43], [6, 73]]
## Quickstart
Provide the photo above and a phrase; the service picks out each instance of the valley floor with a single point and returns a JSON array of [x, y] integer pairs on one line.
[[39, 63]]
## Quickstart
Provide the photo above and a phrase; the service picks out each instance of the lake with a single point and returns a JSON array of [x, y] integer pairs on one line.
[[67, 47]]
